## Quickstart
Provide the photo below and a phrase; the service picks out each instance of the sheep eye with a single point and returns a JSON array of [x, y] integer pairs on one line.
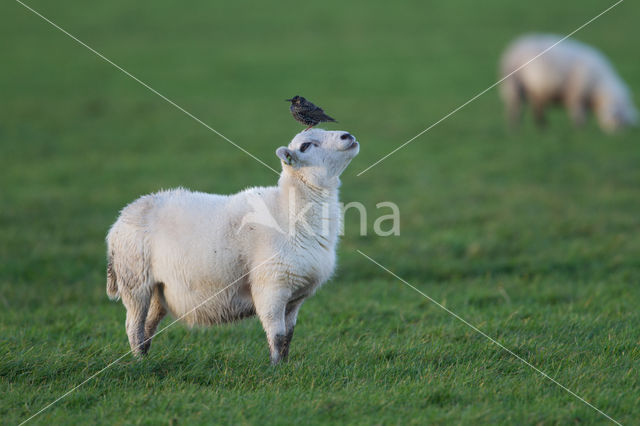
[[305, 146]]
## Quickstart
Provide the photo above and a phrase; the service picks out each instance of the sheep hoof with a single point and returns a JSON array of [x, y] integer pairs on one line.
[[141, 351], [280, 349]]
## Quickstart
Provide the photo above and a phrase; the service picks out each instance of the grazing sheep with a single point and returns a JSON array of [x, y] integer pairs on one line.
[[211, 259], [571, 73]]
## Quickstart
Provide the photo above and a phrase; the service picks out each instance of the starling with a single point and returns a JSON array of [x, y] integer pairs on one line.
[[306, 112]]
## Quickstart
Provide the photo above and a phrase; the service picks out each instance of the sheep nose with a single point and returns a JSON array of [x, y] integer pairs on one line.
[[347, 136]]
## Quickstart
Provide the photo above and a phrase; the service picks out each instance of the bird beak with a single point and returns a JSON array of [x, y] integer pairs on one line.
[[288, 100]]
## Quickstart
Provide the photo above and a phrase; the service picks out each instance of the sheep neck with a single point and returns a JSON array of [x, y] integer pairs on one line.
[[313, 210]]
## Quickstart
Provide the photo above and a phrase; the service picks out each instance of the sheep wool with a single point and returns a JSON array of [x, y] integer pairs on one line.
[[210, 259]]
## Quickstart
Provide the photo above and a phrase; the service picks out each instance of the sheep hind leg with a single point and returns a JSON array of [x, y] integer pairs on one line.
[[137, 309], [513, 96], [514, 113], [156, 313]]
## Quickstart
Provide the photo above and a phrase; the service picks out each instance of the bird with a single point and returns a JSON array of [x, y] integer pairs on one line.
[[306, 112]]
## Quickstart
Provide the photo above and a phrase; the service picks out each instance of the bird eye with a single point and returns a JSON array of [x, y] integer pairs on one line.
[[305, 146]]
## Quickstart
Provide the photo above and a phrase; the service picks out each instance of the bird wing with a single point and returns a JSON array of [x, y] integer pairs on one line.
[[319, 114], [308, 107]]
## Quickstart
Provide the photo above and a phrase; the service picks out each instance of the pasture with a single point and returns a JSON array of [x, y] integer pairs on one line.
[[532, 236]]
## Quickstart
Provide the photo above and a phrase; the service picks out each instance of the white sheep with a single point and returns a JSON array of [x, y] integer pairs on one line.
[[571, 73], [210, 259]]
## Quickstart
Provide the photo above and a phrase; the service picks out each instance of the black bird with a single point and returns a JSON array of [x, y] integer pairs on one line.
[[306, 112]]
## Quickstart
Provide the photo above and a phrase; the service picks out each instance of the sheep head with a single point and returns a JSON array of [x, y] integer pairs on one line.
[[318, 156]]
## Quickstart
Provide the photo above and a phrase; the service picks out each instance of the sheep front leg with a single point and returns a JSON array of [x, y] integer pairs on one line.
[[270, 306], [538, 105], [291, 316], [577, 111]]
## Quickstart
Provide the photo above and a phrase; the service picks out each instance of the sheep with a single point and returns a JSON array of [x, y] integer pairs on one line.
[[571, 73], [210, 259]]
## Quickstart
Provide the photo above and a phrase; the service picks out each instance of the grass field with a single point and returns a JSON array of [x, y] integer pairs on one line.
[[531, 236]]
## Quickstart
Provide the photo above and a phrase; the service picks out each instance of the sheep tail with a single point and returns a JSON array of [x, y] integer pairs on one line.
[[112, 283]]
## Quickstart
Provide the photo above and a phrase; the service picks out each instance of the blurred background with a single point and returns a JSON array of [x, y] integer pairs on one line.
[[531, 234]]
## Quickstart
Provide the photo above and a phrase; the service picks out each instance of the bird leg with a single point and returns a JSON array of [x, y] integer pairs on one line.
[[308, 128]]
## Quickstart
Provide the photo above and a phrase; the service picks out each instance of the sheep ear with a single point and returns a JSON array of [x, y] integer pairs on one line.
[[286, 155]]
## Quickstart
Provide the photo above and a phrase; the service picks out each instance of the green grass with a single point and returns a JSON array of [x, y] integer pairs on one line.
[[531, 236]]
